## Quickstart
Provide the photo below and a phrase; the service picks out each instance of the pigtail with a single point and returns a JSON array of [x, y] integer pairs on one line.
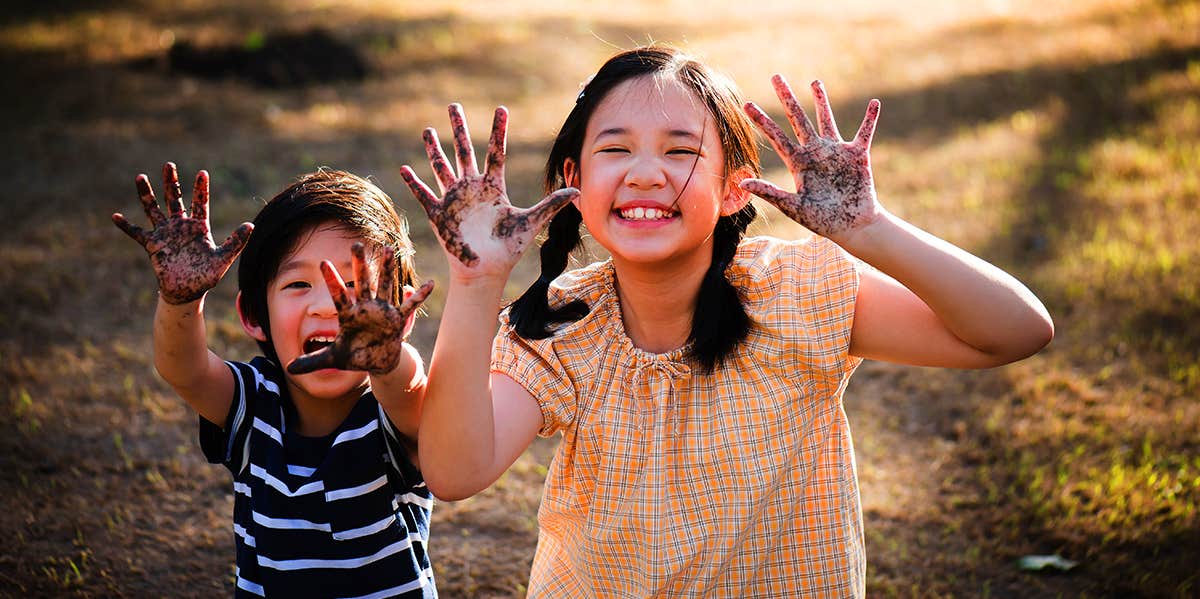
[[531, 314], [720, 322]]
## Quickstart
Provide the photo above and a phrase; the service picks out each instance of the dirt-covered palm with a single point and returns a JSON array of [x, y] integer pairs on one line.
[[474, 220], [371, 330], [185, 259], [835, 191]]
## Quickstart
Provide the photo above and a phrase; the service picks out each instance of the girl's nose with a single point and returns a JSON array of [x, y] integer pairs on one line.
[[645, 173]]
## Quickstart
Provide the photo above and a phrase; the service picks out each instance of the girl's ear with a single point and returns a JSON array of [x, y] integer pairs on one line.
[[736, 198], [252, 328], [571, 177]]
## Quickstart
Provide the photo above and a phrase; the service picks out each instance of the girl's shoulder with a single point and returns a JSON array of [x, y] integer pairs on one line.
[[592, 284], [765, 267], [761, 255]]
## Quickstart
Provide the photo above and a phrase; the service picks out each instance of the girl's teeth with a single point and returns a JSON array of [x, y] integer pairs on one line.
[[641, 213]]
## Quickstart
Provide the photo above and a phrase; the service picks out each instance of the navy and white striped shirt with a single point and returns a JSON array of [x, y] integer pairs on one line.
[[340, 516]]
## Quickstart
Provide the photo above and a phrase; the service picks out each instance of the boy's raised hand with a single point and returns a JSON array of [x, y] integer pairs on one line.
[[835, 191], [474, 220], [371, 331], [185, 259]]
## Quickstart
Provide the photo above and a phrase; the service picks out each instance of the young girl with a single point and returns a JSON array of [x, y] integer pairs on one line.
[[696, 378]]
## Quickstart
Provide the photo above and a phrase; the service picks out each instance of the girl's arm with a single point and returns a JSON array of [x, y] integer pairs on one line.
[[474, 424], [929, 303], [187, 264]]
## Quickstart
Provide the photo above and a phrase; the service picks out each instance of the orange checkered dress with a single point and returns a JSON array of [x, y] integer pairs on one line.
[[670, 482]]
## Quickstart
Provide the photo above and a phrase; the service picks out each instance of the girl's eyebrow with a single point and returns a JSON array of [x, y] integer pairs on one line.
[[671, 133]]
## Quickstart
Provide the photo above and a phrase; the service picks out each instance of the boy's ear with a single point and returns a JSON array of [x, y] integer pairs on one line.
[[252, 328], [736, 198]]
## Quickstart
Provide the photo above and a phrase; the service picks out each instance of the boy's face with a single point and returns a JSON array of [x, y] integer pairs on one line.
[[302, 316]]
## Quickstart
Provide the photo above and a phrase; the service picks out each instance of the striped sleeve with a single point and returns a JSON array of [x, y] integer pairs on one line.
[[227, 444], [398, 451]]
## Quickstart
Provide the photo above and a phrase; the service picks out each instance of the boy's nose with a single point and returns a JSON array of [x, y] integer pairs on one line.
[[322, 303]]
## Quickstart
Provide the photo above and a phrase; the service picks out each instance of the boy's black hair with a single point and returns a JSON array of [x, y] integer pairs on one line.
[[720, 321], [326, 196]]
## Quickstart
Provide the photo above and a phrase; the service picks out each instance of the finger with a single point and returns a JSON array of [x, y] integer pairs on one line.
[[462, 142], [774, 133], [322, 358], [497, 146], [387, 275], [768, 191], [437, 160], [342, 297], [421, 191], [867, 130], [825, 123], [795, 113], [541, 213], [200, 198], [364, 284], [130, 229], [232, 246], [416, 298], [149, 204], [174, 194]]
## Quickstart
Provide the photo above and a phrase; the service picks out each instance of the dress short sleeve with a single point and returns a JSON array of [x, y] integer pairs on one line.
[[535, 365]]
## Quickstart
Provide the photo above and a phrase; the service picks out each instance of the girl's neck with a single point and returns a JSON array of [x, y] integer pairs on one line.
[[658, 301]]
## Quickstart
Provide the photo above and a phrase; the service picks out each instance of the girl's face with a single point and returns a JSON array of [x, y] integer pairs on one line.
[[651, 175], [302, 315]]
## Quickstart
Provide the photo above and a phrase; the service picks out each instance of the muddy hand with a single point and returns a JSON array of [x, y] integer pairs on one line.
[[185, 259], [835, 191], [371, 330], [474, 219]]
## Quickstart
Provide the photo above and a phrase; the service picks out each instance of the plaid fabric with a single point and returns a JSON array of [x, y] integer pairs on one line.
[[669, 482]]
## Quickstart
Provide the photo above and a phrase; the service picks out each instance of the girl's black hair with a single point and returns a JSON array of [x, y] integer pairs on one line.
[[324, 197], [720, 321]]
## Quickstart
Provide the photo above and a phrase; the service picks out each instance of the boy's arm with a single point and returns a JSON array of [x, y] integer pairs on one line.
[[187, 263], [402, 391], [474, 424], [183, 360], [932, 303]]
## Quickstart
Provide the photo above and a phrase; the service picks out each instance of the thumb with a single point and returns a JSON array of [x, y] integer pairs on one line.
[[543, 211], [322, 358], [767, 191]]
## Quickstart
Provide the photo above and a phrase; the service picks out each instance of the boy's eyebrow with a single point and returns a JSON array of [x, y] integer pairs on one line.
[[345, 268]]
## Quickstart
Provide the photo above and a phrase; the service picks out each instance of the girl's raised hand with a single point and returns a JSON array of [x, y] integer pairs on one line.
[[476, 223], [185, 259], [371, 331], [835, 191]]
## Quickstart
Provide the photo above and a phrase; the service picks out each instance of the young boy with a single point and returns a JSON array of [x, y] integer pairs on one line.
[[329, 499]]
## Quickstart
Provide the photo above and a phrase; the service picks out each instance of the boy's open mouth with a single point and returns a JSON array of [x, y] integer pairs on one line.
[[317, 342]]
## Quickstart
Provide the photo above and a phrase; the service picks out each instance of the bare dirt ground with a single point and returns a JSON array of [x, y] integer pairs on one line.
[[1058, 139]]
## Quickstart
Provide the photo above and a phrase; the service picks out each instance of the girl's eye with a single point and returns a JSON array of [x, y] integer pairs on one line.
[[612, 151], [684, 151], [297, 285]]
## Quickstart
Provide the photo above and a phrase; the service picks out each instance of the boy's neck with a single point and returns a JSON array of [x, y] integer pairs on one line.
[[317, 417], [658, 302]]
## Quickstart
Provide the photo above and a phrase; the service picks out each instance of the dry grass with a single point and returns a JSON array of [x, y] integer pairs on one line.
[[1058, 139]]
